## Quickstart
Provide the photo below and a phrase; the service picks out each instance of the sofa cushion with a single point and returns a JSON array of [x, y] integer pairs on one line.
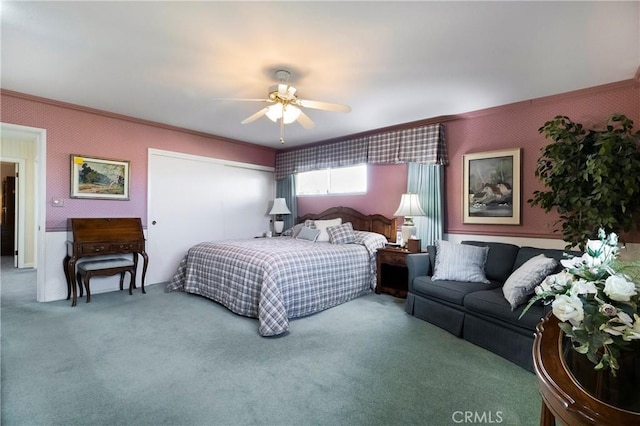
[[458, 262], [450, 291], [526, 253], [500, 259], [491, 303], [519, 286]]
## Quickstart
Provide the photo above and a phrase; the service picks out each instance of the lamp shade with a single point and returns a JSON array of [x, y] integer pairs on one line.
[[279, 207], [409, 206], [289, 113]]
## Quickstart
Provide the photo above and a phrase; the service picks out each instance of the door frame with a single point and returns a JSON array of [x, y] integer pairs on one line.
[[40, 137]]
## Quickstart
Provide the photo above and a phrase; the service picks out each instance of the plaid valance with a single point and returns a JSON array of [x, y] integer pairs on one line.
[[424, 145], [341, 154], [291, 162]]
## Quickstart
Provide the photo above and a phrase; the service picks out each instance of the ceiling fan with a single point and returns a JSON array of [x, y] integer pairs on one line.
[[286, 107]]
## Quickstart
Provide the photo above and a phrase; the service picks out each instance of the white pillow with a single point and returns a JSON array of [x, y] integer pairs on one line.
[[521, 283], [322, 225], [460, 262]]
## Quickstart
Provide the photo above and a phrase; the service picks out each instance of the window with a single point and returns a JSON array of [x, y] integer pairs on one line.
[[341, 180]]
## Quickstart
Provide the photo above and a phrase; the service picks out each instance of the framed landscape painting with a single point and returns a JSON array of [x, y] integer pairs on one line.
[[99, 178], [492, 187]]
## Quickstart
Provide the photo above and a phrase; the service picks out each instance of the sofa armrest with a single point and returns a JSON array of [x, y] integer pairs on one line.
[[418, 265]]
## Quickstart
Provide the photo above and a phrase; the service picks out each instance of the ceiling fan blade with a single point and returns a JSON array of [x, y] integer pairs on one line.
[[255, 116], [242, 100], [305, 121], [323, 105]]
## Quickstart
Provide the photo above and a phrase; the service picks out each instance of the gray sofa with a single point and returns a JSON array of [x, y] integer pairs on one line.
[[478, 312]]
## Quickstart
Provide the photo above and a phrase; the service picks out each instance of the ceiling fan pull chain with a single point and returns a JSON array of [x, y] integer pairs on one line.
[[282, 129]]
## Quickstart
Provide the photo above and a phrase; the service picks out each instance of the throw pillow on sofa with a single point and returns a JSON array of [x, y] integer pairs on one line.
[[522, 282], [460, 262]]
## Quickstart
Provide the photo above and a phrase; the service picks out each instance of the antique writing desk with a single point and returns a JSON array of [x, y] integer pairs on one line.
[[102, 236]]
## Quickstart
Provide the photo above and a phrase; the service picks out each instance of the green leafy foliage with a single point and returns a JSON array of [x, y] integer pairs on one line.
[[593, 177]]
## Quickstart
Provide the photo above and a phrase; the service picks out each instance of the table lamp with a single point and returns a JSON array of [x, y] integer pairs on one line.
[[409, 208], [279, 208]]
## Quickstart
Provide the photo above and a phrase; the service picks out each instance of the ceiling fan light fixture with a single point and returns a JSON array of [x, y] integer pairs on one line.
[[289, 113]]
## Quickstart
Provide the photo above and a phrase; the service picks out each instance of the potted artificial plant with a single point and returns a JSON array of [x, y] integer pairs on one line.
[[592, 176]]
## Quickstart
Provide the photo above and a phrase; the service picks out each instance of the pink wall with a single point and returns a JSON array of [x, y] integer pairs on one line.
[[76, 130], [82, 131], [516, 125], [508, 126]]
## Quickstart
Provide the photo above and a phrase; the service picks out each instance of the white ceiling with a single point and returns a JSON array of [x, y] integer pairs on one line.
[[392, 62]]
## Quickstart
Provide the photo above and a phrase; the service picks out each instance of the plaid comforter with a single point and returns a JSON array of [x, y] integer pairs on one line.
[[275, 279]]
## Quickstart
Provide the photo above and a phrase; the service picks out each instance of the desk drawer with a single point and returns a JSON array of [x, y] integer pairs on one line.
[[95, 248], [126, 247]]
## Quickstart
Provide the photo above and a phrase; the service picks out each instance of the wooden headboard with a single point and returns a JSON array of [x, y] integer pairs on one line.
[[361, 222]]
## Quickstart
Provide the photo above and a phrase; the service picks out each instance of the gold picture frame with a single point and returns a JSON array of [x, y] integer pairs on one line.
[[99, 178], [492, 191]]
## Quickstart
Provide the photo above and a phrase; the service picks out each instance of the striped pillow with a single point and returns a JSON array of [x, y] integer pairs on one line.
[[460, 262], [520, 285], [341, 234]]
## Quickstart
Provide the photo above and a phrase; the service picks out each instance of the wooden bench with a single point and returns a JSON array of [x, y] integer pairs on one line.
[[104, 267]]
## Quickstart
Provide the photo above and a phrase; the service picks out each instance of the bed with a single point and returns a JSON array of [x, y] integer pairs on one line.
[[281, 278]]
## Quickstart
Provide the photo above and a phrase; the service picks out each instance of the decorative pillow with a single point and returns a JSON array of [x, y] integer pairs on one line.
[[296, 229], [460, 262], [341, 234], [307, 233], [521, 283], [309, 224], [322, 225]]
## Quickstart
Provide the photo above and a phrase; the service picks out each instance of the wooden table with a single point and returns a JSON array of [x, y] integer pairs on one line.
[[392, 273], [562, 397]]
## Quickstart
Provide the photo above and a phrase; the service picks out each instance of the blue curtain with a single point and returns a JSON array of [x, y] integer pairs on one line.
[[427, 180], [286, 188]]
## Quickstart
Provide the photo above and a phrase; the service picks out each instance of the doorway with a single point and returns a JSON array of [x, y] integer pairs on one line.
[[24, 151], [12, 217], [8, 244]]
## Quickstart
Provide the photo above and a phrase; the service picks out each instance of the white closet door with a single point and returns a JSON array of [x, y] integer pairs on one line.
[[247, 200], [192, 199]]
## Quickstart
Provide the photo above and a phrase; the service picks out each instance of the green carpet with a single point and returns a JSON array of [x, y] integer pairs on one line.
[[179, 359]]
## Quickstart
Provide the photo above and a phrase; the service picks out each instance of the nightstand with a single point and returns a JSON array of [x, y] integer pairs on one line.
[[392, 271]]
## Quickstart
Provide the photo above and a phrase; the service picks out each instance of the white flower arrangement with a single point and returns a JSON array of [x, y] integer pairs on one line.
[[596, 299]]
